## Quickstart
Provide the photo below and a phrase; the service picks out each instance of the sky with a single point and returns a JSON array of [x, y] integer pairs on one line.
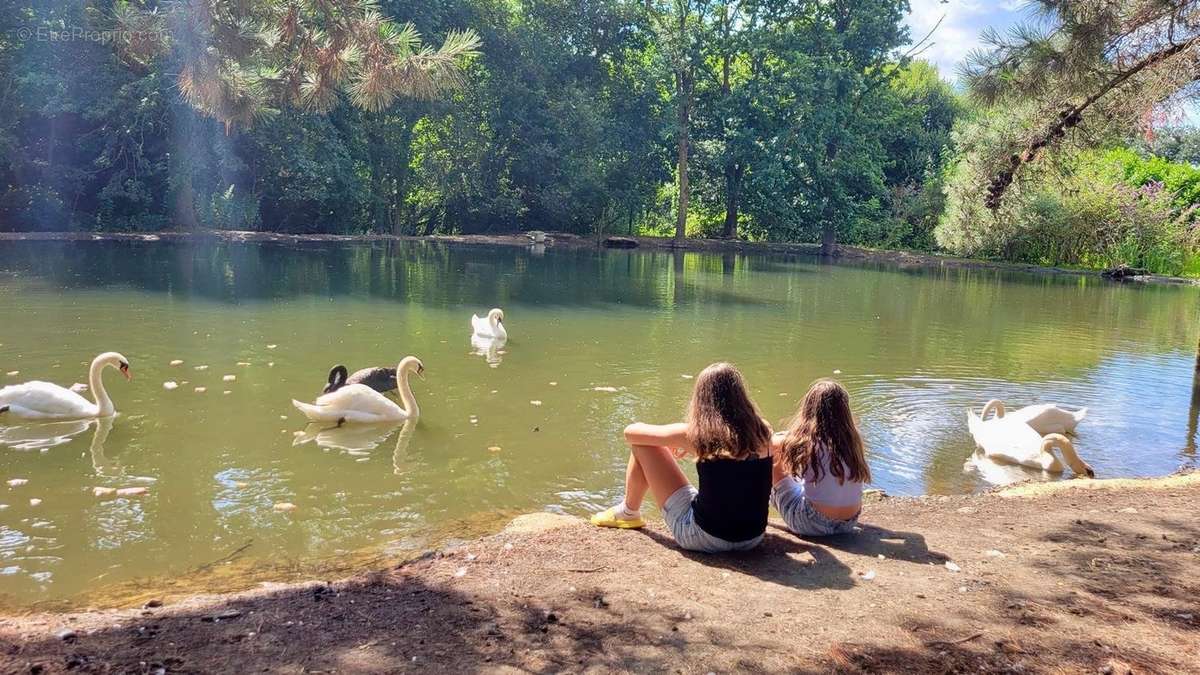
[[959, 32]]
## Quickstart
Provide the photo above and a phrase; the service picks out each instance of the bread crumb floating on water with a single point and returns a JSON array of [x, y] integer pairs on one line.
[[687, 377], [270, 364], [494, 448], [201, 390], [272, 346], [243, 363], [227, 392], [170, 384], [285, 507], [200, 367], [35, 501], [3, 506], [535, 402], [14, 373], [177, 362], [18, 482], [283, 417], [553, 384], [229, 378], [104, 491], [611, 390], [837, 372]]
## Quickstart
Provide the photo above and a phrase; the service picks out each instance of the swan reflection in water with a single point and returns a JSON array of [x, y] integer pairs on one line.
[[491, 349], [43, 436], [995, 473], [358, 440]]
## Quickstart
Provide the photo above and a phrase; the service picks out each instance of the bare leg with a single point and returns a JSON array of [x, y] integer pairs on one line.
[[654, 468]]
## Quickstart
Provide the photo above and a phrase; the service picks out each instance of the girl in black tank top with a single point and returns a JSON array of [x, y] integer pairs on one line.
[[730, 441]]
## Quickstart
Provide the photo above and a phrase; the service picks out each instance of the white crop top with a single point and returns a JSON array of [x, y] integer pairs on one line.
[[828, 491]]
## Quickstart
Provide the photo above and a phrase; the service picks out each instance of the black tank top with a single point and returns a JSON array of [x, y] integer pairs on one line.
[[733, 499]]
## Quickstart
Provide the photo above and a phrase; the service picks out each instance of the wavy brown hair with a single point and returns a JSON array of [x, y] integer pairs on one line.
[[824, 424], [722, 421]]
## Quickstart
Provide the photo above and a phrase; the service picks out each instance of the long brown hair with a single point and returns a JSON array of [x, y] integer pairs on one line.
[[721, 418], [824, 424]]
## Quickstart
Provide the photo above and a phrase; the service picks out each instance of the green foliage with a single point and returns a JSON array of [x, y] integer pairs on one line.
[[1090, 208]]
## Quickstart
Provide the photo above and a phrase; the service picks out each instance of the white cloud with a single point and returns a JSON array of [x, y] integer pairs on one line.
[[961, 23]]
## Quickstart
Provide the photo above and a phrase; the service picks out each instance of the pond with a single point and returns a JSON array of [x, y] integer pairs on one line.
[[597, 339]]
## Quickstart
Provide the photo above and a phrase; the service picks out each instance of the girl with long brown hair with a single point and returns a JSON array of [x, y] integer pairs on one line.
[[731, 443], [820, 465]]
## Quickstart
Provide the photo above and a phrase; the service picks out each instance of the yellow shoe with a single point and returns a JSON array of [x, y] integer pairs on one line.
[[609, 518]]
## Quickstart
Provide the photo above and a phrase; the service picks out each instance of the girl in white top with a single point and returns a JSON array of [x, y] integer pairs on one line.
[[820, 465]]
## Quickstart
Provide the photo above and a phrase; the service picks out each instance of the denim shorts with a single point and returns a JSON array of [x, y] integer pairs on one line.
[[801, 516], [682, 522]]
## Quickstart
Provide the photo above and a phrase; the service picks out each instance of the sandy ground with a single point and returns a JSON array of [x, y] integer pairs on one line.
[[852, 254], [1099, 580]]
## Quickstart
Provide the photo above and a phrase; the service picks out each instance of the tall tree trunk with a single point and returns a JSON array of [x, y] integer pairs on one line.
[[185, 203], [828, 238], [733, 169], [733, 190], [684, 91]]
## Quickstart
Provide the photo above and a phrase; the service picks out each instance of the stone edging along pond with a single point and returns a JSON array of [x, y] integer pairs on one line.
[[850, 254]]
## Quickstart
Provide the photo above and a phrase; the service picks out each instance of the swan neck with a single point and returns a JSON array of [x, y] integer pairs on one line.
[[99, 393], [994, 405], [407, 401], [1072, 458]]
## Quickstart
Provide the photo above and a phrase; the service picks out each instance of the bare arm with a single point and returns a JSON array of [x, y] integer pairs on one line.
[[673, 436], [777, 471]]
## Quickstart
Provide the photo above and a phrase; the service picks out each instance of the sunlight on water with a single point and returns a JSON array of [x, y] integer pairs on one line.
[[598, 338]]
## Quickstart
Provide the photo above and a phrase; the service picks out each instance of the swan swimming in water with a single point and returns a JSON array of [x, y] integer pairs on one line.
[[1045, 418], [38, 400], [490, 327], [1008, 440], [362, 404], [380, 379]]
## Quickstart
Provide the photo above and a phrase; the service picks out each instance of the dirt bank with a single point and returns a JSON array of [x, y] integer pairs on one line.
[[904, 259], [1045, 580]]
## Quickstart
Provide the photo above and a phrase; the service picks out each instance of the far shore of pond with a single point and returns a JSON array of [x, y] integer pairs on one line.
[[852, 254], [1075, 576]]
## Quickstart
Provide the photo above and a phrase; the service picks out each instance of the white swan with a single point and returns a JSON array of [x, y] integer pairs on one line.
[[1044, 418], [490, 327], [45, 401], [1008, 440], [362, 404]]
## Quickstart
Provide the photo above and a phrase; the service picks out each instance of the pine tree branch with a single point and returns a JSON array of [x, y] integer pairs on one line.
[[1071, 117]]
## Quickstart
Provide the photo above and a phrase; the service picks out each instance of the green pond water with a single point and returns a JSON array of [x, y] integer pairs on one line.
[[915, 348]]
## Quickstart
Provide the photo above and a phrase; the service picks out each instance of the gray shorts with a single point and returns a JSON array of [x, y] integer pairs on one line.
[[801, 517], [682, 522]]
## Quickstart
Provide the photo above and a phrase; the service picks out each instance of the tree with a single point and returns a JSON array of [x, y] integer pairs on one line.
[[680, 28], [237, 59], [1085, 59]]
